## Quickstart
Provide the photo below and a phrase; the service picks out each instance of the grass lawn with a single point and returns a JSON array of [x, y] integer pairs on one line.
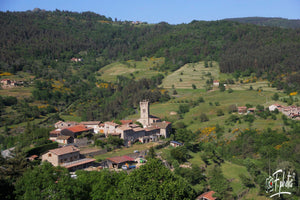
[[138, 69], [196, 159], [18, 92], [253, 195], [125, 150], [192, 73], [231, 172]]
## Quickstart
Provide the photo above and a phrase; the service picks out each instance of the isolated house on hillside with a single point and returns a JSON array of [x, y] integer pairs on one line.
[[242, 109], [216, 83], [175, 144], [5, 81], [207, 196]]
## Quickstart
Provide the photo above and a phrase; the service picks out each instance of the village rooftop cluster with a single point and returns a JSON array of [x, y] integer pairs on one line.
[[67, 133]]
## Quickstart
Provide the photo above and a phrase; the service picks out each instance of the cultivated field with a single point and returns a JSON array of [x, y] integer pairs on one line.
[[146, 68], [192, 73]]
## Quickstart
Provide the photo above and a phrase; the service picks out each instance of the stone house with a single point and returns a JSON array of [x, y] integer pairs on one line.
[[68, 157], [165, 128], [92, 125], [242, 109], [63, 139], [62, 124], [61, 155]]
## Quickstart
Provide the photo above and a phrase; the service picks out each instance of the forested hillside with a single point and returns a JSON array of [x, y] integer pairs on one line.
[[268, 21], [27, 36]]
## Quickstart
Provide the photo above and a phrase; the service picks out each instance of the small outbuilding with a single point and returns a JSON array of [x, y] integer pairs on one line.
[[118, 161], [176, 144]]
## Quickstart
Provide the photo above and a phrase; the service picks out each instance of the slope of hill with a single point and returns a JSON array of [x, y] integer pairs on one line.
[[191, 74], [146, 68], [61, 35], [268, 21]]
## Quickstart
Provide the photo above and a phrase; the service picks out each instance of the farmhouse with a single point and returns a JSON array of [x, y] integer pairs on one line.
[[242, 109], [67, 157], [206, 196]]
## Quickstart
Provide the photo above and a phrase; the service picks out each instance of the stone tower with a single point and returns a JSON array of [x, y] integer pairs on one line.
[[144, 107]]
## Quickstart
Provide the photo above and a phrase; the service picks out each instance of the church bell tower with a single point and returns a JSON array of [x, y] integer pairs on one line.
[[144, 109]]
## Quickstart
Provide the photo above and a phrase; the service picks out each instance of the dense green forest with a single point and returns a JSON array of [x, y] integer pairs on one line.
[[27, 36], [268, 21]]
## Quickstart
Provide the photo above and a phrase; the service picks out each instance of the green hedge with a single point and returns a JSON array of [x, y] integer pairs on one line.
[[41, 149]]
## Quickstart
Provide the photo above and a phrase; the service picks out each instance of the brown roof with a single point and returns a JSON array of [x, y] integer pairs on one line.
[[111, 123], [91, 123], [151, 128], [126, 121], [124, 128], [78, 162], [120, 159], [207, 195], [63, 137], [137, 129], [56, 131], [34, 156], [78, 128], [64, 150], [161, 124]]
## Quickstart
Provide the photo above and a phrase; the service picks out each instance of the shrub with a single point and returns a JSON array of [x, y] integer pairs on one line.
[[203, 117], [220, 112]]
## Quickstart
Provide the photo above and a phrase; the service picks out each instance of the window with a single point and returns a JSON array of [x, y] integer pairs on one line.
[[49, 155]]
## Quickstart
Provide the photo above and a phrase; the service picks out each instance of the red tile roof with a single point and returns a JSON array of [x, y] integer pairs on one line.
[[78, 128], [120, 159], [64, 150], [126, 121], [207, 196]]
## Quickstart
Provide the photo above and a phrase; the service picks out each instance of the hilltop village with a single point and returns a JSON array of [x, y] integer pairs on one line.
[[152, 129], [70, 135]]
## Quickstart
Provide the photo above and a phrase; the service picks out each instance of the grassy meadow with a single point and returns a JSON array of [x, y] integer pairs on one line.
[[189, 74], [146, 68]]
